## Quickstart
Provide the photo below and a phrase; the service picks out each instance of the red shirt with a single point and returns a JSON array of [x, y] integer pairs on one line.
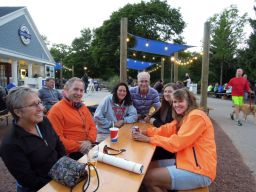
[[239, 86]]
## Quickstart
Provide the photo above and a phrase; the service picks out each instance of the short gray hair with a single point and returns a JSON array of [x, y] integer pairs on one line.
[[143, 74], [16, 97], [71, 81]]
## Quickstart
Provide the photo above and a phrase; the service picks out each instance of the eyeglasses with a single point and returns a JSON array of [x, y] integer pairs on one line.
[[111, 151], [35, 105]]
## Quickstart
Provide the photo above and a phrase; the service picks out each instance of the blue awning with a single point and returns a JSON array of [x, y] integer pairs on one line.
[[57, 66], [138, 65], [157, 47]]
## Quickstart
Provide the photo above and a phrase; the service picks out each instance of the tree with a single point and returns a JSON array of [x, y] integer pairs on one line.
[[248, 56], [226, 35], [153, 20]]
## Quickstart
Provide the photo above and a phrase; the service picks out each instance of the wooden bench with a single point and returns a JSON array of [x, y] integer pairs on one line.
[[6, 116], [205, 189]]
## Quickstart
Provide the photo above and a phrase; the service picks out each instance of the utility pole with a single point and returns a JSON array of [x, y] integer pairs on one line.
[[205, 66], [123, 49]]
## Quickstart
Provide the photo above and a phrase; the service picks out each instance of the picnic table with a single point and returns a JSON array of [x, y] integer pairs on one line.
[[113, 178]]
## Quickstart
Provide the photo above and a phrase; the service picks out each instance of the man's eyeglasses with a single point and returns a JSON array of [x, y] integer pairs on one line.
[[111, 151], [35, 105]]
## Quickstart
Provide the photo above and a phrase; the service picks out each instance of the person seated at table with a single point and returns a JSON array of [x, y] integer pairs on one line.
[[162, 116], [115, 110], [144, 96], [48, 94], [32, 147], [73, 121], [191, 137]]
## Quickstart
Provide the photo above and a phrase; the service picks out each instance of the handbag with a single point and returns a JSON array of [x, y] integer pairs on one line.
[[70, 172]]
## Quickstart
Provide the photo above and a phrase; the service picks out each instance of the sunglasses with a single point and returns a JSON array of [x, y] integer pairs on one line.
[[111, 151]]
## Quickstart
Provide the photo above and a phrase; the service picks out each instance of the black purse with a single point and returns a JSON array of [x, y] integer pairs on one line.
[[70, 172]]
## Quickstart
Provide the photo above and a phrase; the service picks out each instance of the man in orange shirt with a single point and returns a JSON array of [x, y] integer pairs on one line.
[[73, 121]]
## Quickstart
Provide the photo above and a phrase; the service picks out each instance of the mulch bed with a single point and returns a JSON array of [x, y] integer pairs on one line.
[[232, 174]]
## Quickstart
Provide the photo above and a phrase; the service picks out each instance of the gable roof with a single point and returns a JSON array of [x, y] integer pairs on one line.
[[6, 10], [11, 19]]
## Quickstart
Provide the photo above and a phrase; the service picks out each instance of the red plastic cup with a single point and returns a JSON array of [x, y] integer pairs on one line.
[[114, 134]]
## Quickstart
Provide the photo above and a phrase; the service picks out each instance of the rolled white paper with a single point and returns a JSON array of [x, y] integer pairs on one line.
[[121, 163]]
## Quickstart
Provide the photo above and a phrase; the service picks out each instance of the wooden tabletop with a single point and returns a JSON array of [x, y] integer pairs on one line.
[[113, 178]]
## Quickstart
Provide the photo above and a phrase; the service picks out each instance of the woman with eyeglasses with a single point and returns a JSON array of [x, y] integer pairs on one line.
[[191, 137], [115, 110], [31, 147]]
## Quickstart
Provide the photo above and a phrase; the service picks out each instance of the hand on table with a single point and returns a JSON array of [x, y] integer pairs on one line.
[[119, 123], [147, 119], [138, 136], [85, 146]]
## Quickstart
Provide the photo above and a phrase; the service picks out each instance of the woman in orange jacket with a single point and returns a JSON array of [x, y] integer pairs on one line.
[[191, 137]]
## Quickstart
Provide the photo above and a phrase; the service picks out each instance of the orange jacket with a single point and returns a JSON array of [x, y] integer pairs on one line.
[[193, 144], [72, 125]]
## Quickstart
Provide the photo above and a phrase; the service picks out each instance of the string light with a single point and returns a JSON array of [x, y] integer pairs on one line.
[[127, 39], [147, 44]]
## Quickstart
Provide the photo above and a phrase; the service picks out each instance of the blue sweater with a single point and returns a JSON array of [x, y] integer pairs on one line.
[[105, 116]]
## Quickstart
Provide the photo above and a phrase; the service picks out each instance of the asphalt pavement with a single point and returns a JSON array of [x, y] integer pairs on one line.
[[243, 137]]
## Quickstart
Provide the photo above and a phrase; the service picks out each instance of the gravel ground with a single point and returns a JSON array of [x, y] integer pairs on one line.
[[232, 174]]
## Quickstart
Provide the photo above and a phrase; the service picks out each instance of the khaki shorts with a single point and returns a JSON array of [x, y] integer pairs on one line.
[[238, 100]]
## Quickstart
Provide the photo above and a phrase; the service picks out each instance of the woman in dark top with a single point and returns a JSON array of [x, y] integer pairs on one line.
[[32, 147], [164, 113], [162, 116]]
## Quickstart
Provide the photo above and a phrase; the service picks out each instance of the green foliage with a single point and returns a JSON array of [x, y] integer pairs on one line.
[[112, 82], [226, 35], [247, 57], [154, 20]]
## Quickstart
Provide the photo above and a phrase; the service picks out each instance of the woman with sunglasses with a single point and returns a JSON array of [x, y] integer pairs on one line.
[[31, 147], [191, 137], [115, 110]]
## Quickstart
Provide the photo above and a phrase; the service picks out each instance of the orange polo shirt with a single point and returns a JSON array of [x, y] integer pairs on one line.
[[72, 125], [193, 144]]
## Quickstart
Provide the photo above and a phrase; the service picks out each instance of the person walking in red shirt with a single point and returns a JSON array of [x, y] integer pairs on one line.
[[239, 86]]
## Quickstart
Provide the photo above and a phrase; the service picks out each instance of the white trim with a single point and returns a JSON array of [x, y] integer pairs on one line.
[[22, 56]]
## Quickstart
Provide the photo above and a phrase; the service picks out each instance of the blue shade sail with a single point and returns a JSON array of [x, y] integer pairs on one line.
[[157, 47], [57, 66], [138, 65]]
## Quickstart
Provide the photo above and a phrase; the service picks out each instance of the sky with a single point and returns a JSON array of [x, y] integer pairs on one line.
[[62, 21]]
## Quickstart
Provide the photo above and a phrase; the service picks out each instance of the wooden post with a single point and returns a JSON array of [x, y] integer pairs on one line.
[[171, 65], [73, 71], [162, 69], [123, 50], [175, 68], [205, 66], [61, 75]]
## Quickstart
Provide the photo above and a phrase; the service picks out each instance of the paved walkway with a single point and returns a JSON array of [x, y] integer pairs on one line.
[[243, 137]]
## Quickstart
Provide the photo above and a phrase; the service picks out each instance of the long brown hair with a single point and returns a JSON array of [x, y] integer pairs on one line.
[[165, 105], [184, 94]]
